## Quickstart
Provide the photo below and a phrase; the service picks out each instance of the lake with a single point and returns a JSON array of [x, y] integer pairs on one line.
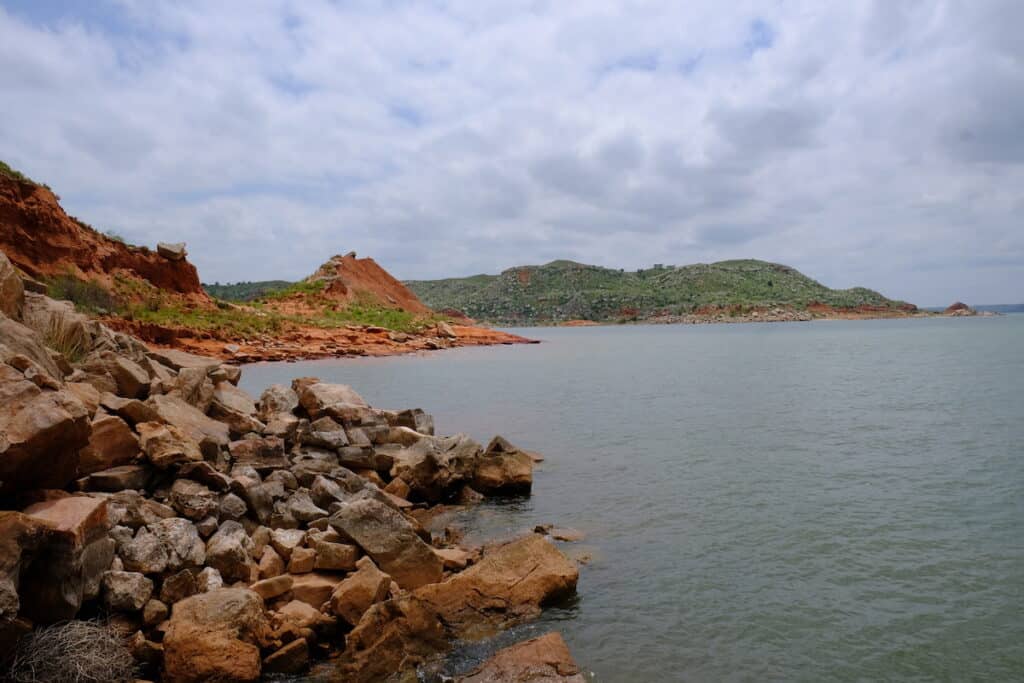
[[825, 501]]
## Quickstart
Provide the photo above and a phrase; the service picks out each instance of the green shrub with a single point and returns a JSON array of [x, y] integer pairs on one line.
[[88, 296]]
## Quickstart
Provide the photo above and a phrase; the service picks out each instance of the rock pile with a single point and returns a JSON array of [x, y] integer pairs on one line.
[[230, 537]]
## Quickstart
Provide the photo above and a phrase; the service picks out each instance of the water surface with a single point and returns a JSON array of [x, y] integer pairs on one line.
[[827, 501]]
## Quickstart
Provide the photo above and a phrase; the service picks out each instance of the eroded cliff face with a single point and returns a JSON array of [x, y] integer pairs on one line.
[[348, 279], [43, 241]]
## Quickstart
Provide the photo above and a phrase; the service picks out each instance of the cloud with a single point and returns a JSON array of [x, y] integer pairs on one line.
[[870, 143]]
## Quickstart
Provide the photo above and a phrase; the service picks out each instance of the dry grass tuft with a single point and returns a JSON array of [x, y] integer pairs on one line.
[[66, 336], [73, 652]]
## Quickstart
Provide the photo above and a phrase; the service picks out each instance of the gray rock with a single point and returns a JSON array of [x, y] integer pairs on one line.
[[126, 591], [193, 500], [229, 551]]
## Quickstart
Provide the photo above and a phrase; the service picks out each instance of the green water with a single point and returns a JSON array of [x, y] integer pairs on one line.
[[831, 501]]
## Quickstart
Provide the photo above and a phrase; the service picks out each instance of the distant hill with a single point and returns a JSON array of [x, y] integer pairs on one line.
[[1000, 308], [565, 290], [245, 291]]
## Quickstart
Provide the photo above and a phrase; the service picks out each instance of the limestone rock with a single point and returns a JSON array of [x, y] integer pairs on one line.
[[276, 399], [336, 400], [235, 408], [292, 658], [115, 479], [172, 251], [314, 588]]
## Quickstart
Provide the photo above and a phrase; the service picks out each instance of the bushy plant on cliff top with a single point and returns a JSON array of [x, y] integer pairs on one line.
[[88, 296], [17, 175]]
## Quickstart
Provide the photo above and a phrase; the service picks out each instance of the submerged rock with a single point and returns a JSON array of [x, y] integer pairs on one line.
[[545, 659]]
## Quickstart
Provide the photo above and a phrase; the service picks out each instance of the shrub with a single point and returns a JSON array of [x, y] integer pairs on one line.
[[72, 652], [87, 295]]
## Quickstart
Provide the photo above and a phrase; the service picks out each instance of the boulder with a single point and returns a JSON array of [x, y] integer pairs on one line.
[[272, 587], [144, 553], [172, 251], [215, 636], [504, 469], [208, 579], [177, 587], [314, 588], [271, 564], [210, 434], [87, 394], [229, 551], [301, 506], [20, 538], [23, 340], [292, 658], [68, 565], [415, 419], [185, 548], [365, 587], [336, 400], [132, 410], [235, 408], [194, 386], [544, 659], [166, 445], [335, 556], [511, 582], [392, 542], [324, 433], [302, 561], [154, 612], [43, 432], [111, 443], [131, 379], [126, 591], [12, 290], [193, 500], [264, 455], [392, 636], [277, 399], [134, 510]]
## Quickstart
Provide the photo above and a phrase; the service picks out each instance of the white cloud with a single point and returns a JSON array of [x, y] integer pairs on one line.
[[870, 143]]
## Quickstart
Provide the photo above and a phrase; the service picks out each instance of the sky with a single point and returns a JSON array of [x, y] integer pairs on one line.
[[864, 143]]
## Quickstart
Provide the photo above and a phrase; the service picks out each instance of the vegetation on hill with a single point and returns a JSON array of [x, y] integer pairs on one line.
[[565, 290], [245, 291]]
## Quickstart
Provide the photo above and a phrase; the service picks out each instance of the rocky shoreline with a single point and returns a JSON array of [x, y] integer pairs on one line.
[[215, 536]]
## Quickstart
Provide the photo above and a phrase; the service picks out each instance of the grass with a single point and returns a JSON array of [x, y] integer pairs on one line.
[[65, 337], [72, 652], [16, 175], [231, 322], [88, 296]]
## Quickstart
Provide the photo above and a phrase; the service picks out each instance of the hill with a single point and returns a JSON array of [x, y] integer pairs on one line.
[[564, 290], [245, 291]]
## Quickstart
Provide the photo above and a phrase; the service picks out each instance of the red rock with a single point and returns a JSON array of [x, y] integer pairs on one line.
[[541, 660]]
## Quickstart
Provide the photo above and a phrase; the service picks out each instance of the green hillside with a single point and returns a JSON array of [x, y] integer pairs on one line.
[[564, 290]]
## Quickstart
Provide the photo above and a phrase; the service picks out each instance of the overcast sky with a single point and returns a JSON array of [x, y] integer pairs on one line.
[[865, 143]]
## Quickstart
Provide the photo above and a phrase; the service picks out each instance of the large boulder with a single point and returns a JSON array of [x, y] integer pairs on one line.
[[392, 636], [68, 567], [20, 339], [111, 443], [540, 660], [504, 469], [215, 636], [179, 360], [235, 408], [434, 466], [510, 583], [42, 433], [336, 400], [12, 290], [210, 434], [392, 542], [277, 399]]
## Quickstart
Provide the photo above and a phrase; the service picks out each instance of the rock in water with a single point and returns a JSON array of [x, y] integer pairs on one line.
[[541, 660], [387, 537]]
